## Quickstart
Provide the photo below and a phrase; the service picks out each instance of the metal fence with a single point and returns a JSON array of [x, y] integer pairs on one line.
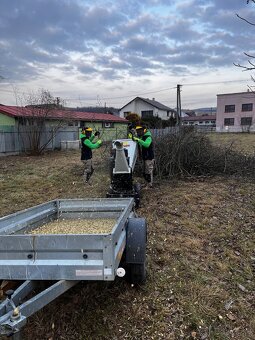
[[175, 130], [15, 140]]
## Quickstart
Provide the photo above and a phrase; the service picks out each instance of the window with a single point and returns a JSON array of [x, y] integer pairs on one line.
[[246, 121], [107, 125], [229, 121], [72, 123], [247, 107], [126, 113], [230, 108], [147, 114]]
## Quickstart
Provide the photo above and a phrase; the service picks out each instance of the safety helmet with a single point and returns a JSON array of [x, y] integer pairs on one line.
[[139, 127], [88, 129]]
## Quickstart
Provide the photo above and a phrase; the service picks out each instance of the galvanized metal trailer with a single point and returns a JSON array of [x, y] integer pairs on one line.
[[66, 259]]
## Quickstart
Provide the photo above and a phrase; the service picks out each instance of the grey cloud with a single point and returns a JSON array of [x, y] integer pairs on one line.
[[122, 37], [182, 31], [145, 47], [86, 68]]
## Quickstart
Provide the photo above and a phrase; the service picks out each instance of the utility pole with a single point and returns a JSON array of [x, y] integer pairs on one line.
[[179, 112]]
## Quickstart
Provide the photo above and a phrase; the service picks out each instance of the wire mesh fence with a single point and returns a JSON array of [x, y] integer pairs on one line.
[[15, 140]]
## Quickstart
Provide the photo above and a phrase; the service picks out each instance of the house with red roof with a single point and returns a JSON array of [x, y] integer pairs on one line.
[[15, 116], [15, 119]]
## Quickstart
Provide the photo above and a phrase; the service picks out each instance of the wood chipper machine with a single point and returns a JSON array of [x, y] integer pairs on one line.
[[62, 242], [122, 165]]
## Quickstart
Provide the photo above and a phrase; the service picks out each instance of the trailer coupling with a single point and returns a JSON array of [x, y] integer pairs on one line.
[[12, 320], [14, 312]]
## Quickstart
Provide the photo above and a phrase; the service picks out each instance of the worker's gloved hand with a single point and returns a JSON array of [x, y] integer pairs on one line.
[[135, 139], [97, 133], [99, 142]]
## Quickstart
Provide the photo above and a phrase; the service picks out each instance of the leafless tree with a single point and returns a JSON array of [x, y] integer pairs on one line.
[[251, 58], [39, 121]]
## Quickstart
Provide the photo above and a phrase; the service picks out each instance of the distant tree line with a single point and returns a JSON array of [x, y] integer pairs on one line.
[[97, 109]]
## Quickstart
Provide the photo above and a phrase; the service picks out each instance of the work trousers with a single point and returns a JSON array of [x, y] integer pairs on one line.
[[88, 168], [148, 167]]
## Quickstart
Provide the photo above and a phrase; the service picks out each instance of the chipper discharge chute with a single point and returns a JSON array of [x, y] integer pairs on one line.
[[122, 167]]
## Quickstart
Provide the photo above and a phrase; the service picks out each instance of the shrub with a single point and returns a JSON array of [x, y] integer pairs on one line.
[[191, 153]]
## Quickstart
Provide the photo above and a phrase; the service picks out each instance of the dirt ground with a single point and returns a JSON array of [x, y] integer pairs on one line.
[[200, 256]]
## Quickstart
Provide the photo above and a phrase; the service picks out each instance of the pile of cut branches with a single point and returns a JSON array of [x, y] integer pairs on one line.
[[191, 153]]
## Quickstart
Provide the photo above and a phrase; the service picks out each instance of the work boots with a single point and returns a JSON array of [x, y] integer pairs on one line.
[[148, 179], [88, 175]]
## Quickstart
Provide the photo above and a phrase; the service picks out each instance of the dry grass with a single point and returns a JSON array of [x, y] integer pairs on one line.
[[243, 142], [200, 257]]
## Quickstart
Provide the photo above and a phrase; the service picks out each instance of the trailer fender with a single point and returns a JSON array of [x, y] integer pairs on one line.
[[136, 241]]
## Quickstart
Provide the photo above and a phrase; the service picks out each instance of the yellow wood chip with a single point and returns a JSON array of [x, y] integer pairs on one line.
[[77, 226]]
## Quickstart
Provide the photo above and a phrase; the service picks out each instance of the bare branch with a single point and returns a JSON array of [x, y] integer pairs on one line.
[[250, 88], [245, 68], [249, 55], [251, 63], [248, 22], [36, 131]]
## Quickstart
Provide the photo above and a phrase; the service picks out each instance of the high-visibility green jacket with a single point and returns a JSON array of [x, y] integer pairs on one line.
[[147, 146], [87, 145]]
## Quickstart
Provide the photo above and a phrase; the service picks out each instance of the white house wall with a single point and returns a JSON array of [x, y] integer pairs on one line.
[[137, 106]]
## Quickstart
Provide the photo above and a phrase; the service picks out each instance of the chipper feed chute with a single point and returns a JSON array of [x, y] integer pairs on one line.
[[123, 162]]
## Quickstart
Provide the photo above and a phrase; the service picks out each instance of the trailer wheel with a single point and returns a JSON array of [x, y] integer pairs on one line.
[[135, 253], [137, 273], [137, 195]]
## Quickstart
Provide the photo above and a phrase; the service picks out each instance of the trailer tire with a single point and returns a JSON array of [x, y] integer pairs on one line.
[[137, 194], [137, 273], [135, 252]]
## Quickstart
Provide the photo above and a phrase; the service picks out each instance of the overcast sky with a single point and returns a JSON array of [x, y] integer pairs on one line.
[[92, 52]]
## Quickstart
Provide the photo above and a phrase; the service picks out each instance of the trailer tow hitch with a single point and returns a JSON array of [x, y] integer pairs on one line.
[[12, 317]]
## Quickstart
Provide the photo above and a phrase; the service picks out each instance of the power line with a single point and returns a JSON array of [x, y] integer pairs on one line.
[[216, 82], [135, 94], [122, 97]]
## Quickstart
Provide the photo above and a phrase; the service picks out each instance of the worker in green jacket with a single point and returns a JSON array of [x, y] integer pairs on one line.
[[131, 131], [87, 146], [144, 140]]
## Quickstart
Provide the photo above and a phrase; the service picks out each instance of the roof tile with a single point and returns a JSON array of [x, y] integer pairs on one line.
[[16, 111]]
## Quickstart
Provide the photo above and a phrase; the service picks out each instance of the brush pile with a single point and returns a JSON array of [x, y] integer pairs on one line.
[[191, 153]]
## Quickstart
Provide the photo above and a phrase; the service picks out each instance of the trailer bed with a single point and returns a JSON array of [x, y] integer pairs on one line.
[[79, 256]]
